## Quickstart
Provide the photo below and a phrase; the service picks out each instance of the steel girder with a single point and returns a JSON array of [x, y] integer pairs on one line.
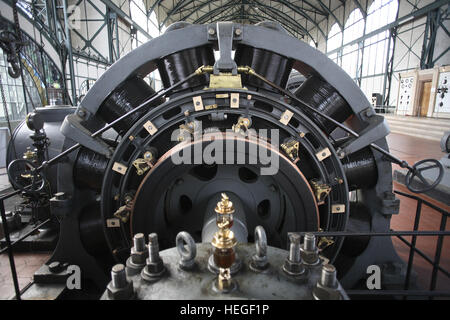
[[271, 12], [435, 20], [398, 22], [294, 8], [284, 11]]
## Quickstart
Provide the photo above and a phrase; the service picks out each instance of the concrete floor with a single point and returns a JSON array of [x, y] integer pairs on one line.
[[406, 147]]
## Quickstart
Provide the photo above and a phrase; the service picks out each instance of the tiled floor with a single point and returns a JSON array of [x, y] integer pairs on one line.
[[405, 147], [412, 150], [26, 265]]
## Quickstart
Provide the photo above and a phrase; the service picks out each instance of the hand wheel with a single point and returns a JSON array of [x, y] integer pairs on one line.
[[23, 175], [418, 169]]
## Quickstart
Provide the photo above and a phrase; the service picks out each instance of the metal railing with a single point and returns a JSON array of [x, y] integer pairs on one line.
[[436, 267], [435, 262], [10, 245]]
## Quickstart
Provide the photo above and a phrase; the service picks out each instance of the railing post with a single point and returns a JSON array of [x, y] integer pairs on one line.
[[413, 244], [10, 250], [437, 257]]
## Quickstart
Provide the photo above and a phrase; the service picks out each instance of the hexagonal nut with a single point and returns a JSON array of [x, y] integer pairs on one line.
[[120, 293], [293, 268], [55, 267], [153, 270], [324, 293], [138, 257], [309, 257], [133, 268]]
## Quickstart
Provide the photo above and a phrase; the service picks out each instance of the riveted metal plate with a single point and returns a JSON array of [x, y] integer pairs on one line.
[[198, 103], [120, 168], [323, 154], [150, 127], [113, 223], [286, 116], [234, 101], [338, 208]]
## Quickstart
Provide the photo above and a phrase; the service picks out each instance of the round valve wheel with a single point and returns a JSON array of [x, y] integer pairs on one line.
[[418, 169], [23, 175]]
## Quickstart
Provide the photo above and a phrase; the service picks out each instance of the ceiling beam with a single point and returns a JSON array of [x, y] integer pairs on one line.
[[331, 13], [276, 13], [125, 17], [299, 11], [400, 21], [359, 6], [216, 11]]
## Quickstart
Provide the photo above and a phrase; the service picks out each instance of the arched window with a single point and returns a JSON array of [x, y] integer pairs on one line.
[[334, 38], [354, 27], [334, 41], [379, 14], [150, 24], [139, 16], [351, 55]]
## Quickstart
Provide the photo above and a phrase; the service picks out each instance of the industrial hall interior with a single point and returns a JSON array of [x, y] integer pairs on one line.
[[225, 150]]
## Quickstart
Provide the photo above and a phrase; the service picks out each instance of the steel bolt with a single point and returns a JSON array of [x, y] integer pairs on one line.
[[294, 249], [138, 256], [139, 242], [55, 267], [154, 267], [153, 247], [327, 286], [309, 242], [328, 276], [293, 265], [211, 31], [119, 288], [119, 277], [309, 251], [238, 32]]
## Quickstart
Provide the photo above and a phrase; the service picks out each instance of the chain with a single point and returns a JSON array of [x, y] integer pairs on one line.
[[16, 21], [5, 109]]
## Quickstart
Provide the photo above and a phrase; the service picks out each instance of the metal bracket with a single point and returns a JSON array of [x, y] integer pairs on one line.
[[376, 130], [291, 148], [225, 32], [74, 130]]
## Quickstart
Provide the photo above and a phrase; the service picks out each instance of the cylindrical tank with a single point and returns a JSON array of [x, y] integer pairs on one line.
[[52, 117]]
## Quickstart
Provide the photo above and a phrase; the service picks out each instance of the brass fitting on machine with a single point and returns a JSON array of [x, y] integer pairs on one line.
[[210, 69], [224, 243], [30, 155], [321, 190], [204, 69]]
